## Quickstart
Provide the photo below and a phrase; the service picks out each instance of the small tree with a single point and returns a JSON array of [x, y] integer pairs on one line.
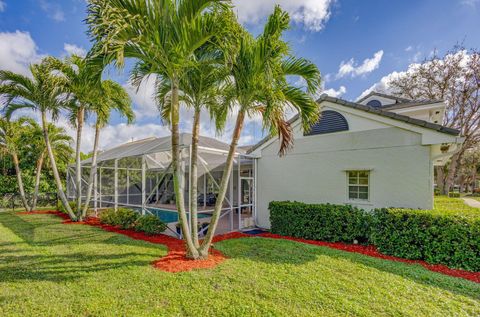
[[40, 93], [11, 133]]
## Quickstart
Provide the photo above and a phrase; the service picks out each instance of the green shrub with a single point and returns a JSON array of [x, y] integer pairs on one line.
[[320, 221], [150, 225], [108, 217], [453, 194], [124, 218], [436, 237], [61, 208]]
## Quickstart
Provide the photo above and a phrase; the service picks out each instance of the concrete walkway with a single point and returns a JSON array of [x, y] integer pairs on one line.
[[472, 202]]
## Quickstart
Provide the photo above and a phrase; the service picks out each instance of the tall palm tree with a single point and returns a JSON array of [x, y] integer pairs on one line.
[[40, 93], [199, 89], [79, 79], [11, 133], [260, 86], [60, 143], [164, 34], [114, 97]]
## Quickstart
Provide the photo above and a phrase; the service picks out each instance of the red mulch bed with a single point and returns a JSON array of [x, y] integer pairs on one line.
[[176, 261]]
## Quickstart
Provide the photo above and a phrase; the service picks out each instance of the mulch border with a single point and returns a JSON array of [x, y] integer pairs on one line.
[[176, 261]]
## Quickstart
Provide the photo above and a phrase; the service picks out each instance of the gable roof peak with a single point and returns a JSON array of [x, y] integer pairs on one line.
[[388, 96]]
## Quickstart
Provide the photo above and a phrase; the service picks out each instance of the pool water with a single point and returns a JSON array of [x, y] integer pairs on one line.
[[169, 216]]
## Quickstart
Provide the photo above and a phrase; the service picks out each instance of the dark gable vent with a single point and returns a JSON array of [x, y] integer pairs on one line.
[[374, 103], [330, 121]]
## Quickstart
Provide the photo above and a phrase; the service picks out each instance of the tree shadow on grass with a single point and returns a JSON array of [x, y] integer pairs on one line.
[[273, 251], [60, 268]]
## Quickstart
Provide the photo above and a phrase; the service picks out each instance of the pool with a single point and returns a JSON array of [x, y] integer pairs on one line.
[[169, 216]]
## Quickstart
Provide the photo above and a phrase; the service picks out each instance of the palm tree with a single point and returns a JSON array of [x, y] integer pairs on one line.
[[39, 93], [114, 97], [164, 34], [79, 80], [11, 132], [199, 89], [260, 86], [60, 143]]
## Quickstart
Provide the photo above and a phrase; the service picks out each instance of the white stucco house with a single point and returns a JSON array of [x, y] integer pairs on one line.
[[377, 152]]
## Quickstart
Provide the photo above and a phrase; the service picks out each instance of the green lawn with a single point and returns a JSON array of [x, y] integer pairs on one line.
[[454, 206], [51, 269]]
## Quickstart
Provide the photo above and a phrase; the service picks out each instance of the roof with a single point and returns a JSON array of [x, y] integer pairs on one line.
[[380, 112], [155, 145], [410, 104], [374, 93]]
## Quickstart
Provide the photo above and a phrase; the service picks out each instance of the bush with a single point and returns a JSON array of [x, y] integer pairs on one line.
[[320, 221], [436, 237], [123, 217], [108, 217], [150, 225], [453, 194]]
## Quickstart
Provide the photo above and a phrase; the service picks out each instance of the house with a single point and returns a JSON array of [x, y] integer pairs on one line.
[[377, 152]]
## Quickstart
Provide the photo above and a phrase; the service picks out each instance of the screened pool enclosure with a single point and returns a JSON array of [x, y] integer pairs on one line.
[[138, 175]]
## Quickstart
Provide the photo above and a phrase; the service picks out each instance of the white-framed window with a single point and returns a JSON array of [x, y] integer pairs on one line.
[[358, 185]]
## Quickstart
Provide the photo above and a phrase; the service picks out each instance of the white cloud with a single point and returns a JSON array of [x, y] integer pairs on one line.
[[312, 14], [53, 10], [3, 6], [17, 51], [335, 93], [143, 98], [71, 49], [409, 48], [351, 68]]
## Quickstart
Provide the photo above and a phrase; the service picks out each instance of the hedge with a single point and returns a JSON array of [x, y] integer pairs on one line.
[[436, 237], [325, 222], [433, 236]]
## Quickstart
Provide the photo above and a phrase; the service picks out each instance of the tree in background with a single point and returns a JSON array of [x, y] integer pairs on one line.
[[113, 98], [60, 143], [11, 133], [468, 170], [455, 79], [40, 93]]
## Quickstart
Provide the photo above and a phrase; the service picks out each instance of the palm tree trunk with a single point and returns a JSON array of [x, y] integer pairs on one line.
[[38, 174], [20, 181], [78, 163], [194, 177], [93, 170], [178, 173], [56, 175], [223, 186]]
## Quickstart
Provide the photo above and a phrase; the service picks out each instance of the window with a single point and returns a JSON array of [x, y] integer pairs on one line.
[[358, 185]]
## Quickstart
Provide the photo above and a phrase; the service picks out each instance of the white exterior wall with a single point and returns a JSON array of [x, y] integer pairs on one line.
[[315, 170]]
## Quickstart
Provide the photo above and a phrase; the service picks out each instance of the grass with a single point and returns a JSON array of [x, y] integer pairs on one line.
[[452, 205], [51, 269]]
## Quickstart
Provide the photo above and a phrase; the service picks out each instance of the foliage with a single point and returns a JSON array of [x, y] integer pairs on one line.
[[123, 217], [453, 194], [319, 221], [449, 234], [150, 224], [435, 237], [51, 269]]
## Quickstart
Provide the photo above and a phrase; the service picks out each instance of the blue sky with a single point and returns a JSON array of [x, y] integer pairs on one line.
[[354, 43]]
